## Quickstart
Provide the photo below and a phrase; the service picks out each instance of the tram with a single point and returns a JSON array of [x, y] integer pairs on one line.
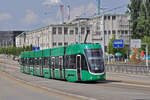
[[77, 62]]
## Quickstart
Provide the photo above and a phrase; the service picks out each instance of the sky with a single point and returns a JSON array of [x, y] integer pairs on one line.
[[28, 15]]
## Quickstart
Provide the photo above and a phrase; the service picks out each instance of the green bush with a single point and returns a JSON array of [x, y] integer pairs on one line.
[[14, 50]]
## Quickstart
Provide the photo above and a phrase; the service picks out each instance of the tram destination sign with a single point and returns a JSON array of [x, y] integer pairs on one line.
[[118, 43]]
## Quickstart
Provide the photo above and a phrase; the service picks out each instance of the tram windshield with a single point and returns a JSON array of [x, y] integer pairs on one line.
[[95, 60]]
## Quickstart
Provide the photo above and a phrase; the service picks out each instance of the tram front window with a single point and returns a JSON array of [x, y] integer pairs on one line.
[[95, 60]]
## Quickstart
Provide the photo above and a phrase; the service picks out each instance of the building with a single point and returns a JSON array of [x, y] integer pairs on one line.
[[53, 36], [7, 38], [76, 30], [114, 24]]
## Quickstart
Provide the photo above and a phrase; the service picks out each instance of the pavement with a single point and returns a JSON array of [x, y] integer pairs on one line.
[[11, 90]]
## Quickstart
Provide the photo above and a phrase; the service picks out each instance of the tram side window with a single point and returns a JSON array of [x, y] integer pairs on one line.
[[30, 61], [22, 61], [49, 61], [60, 61], [72, 62], [83, 63], [45, 62], [40, 61], [37, 61], [27, 61], [56, 62], [53, 61]]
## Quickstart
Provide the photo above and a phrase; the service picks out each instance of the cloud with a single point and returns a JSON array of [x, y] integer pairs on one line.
[[5, 17], [77, 11], [30, 18], [51, 3], [48, 21], [91, 9], [84, 11]]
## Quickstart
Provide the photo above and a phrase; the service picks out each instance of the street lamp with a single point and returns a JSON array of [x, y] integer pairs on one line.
[[78, 17], [129, 36]]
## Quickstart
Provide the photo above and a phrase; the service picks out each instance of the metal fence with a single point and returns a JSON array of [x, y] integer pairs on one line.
[[129, 69]]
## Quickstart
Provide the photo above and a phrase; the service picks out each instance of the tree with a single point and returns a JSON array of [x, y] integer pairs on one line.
[[146, 40], [133, 10], [140, 18], [14, 50]]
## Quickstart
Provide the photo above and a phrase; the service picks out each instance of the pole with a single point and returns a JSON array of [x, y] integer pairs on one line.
[[79, 31], [98, 2], [108, 48], [147, 54], [103, 36]]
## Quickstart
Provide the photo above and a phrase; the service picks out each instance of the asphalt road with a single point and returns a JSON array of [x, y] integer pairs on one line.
[[107, 90], [13, 90]]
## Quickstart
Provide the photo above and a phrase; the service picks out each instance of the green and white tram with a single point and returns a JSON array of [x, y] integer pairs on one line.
[[78, 62]]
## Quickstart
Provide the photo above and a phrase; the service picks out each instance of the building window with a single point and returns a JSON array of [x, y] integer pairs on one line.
[[54, 30], [126, 32], [65, 30], [71, 31], [122, 32], [118, 31], [60, 44], [76, 30], [82, 30], [105, 32], [113, 32], [109, 32], [59, 30], [54, 43], [113, 17], [108, 17], [105, 17], [66, 43]]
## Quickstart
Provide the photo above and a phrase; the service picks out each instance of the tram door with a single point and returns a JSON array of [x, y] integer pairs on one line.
[[78, 66], [53, 67], [60, 67]]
